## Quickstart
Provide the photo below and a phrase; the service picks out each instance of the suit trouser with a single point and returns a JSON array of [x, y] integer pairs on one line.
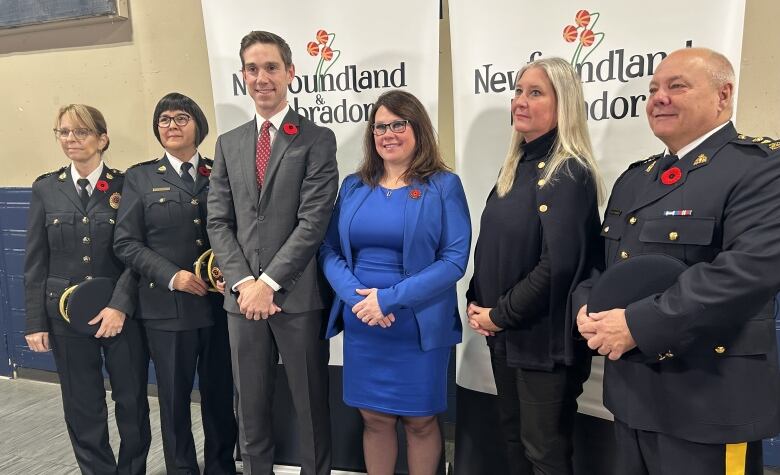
[[177, 355], [537, 410], [255, 346], [80, 366], [642, 452]]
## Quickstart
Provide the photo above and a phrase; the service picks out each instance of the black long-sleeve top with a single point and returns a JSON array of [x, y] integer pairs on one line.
[[527, 261]]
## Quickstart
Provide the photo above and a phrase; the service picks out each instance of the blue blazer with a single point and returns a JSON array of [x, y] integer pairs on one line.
[[437, 241]]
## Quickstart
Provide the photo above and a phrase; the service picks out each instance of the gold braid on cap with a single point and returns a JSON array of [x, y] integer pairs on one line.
[[64, 302]]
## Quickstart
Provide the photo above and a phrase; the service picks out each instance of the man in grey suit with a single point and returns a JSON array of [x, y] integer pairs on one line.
[[273, 186]]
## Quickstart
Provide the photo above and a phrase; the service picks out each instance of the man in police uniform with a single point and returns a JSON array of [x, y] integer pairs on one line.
[[692, 373], [160, 233], [69, 240]]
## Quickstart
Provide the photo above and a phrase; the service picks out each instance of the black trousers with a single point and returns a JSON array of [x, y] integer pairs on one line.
[[255, 346], [177, 355], [641, 452], [79, 363], [537, 411]]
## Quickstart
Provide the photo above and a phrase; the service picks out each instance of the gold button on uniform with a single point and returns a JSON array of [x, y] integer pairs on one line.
[[56, 221], [606, 229], [86, 259], [196, 220], [541, 182], [85, 220], [151, 285], [111, 220], [194, 201], [720, 350], [199, 242], [541, 165], [86, 240], [162, 200], [624, 254], [543, 208], [632, 220], [673, 236]]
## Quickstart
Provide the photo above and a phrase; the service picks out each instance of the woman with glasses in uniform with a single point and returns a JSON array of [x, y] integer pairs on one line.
[[397, 243], [160, 233], [69, 240]]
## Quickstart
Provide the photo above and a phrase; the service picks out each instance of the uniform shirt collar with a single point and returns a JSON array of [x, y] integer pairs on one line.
[[176, 163], [276, 120], [691, 146], [92, 177]]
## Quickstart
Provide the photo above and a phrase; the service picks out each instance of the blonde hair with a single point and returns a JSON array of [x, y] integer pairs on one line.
[[88, 116], [573, 140]]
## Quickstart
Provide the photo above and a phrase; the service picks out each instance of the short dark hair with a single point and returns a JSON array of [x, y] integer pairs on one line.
[[426, 157], [266, 37], [173, 101]]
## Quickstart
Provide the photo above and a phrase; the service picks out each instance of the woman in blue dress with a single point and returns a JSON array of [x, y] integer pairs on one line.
[[397, 243]]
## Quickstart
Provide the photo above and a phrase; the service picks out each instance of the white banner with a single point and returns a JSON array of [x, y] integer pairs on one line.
[[616, 46], [345, 53]]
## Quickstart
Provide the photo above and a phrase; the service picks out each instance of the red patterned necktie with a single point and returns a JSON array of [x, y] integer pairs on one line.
[[263, 152]]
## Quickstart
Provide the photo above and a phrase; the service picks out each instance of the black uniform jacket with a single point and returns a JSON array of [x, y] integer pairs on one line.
[[706, 367], [161, 229], [564, 213], [67, 244]]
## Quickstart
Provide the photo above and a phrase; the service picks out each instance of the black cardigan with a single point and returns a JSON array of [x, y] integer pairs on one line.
[[528, 261]]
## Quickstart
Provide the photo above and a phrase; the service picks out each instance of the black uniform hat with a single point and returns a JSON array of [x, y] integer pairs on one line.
[[634, 279], [81, 303]]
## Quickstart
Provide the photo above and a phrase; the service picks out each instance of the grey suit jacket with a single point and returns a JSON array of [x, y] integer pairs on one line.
[[276, 230]]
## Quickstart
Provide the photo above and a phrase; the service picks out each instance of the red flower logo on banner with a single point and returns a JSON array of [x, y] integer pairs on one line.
[[587, 38], [322, 47], [582, 18], [570, 33], [415, 194], [101, 185], [204, 170], [322, 37], [671, 176], [290, 129], [584, 26]]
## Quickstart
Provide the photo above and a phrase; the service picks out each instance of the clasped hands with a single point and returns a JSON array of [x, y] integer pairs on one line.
[[256, 300], [368, 310], [606, 332], [479, 320]]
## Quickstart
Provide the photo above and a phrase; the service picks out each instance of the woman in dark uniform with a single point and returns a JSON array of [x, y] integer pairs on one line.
[[539, 237], [69, 237], [160, 233]]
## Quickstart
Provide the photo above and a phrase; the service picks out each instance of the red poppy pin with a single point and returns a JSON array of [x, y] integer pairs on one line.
[[204, 170], [415, 194], [671, 176], [101, 185], [290, 129]]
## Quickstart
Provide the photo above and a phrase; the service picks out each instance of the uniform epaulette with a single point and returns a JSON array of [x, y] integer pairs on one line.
[[207, 160], [143, 163], [645, 161], [60, 170], [765, 143], [117, 171]]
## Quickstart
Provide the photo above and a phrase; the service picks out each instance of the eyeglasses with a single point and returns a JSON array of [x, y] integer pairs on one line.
[[181, 120], [396, 126], [80, 133]]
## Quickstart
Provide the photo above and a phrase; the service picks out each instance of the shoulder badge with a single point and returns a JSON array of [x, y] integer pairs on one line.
[[59, 171], [767, 144], [142, 163], [650, 162]]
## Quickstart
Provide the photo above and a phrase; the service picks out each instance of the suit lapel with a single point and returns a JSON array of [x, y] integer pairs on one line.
[[171, 175], [69, 189], [412, 216], [96, 195], [281, 142], [201, 180], [246, 152], [693, 160], [352, 202]]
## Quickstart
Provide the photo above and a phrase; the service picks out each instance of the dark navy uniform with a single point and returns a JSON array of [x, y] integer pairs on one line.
[[705, 370], [66, 244], [161, 229]]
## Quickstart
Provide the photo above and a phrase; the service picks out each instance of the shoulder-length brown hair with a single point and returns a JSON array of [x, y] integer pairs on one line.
[[426, 159]]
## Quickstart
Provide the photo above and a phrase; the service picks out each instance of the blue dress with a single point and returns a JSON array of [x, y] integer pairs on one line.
[[385, 369]]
